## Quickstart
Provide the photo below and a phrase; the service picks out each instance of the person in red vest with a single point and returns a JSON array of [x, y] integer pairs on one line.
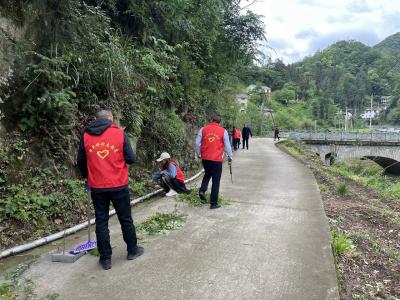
[[172, 177], [210, 143], [236, 138], [103, 155]]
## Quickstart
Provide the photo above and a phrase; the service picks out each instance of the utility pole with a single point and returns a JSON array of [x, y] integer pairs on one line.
[[370, 115]]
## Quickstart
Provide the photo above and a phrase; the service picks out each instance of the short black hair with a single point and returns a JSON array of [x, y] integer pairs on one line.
[[216, 117]]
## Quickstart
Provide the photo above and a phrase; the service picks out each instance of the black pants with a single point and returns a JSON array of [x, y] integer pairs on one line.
[[212, 170], [246, 142], [172, 183], [121, 202], [236, 143]]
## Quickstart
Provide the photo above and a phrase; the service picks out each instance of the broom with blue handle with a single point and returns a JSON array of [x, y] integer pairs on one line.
[[90, 244]]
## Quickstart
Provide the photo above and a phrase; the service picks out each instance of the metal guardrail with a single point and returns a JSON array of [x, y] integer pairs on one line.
[[342, 136]]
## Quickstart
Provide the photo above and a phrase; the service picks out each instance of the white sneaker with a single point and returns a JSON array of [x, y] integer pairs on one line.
[[171, 193]]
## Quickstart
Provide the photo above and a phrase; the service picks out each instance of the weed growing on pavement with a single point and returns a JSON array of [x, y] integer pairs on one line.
[[161, 223], [94, 252], [342, 243], [193, 199], [16, 286]]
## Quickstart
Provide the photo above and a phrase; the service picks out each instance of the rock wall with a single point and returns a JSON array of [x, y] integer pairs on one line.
[[9, 34]]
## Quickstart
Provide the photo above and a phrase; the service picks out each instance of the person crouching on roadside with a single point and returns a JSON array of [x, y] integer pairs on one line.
[[172, 178]]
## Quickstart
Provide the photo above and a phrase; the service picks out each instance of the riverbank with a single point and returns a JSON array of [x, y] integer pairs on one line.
[[365, 224]]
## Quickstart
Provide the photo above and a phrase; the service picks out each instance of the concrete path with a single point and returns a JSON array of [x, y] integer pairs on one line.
[[272, 243]]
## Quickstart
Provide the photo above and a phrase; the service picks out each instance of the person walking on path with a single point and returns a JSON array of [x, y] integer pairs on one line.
[[236, 138], [103, 155], [276, 134], [210, 143], [171, 176], [246, 133]]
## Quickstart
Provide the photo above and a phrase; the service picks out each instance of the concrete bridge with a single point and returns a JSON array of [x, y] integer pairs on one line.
[[382, 148]]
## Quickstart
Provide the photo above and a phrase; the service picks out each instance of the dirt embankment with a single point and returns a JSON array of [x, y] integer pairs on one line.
[[370, 268]]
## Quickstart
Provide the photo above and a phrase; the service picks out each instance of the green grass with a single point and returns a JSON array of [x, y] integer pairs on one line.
[[137, 188], [342, 189], [370, 174], [341, 243], [193, 199], [94, 252], [323, 187], [17, 287], [161, 223], [6, 293], [391, 216]]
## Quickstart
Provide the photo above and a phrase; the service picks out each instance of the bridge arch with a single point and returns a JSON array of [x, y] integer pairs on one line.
[[387, 157], [390, 165]]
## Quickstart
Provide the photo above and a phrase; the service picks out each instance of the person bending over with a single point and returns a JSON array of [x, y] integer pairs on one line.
[[171, 176]]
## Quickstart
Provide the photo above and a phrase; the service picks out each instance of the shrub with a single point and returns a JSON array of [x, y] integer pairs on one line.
[[342, 189], [31, 204]]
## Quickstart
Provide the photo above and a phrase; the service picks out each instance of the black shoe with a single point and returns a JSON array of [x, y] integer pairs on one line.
[[139, 251], [214, 206], [202, 196], [105, 263]]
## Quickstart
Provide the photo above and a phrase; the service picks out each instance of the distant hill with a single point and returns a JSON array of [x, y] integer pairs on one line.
[[391, 42]]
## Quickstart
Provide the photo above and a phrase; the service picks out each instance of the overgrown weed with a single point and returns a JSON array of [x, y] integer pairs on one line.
[[342, 244], [161, 223], [194, 200], [342, 189]]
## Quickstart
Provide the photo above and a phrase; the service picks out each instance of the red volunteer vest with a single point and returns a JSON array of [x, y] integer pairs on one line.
[[212, 143], [179, 174], [105, 159], [237, 134]]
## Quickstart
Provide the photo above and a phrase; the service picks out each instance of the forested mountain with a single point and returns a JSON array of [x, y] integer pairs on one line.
[[391, 42], [344, 75]]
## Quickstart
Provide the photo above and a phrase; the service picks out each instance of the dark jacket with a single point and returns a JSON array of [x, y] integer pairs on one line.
[[246, 132], [97, 128]]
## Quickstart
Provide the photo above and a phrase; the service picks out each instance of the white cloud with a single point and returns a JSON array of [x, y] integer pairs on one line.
[[298, 28]]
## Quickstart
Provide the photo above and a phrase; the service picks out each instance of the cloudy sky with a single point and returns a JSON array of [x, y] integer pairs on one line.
[[298, 28]]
